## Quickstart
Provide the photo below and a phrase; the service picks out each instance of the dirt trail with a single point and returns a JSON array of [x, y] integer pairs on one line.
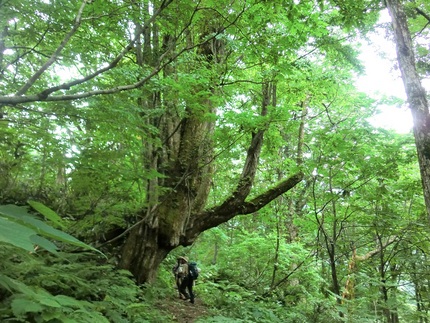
[[184, 311]]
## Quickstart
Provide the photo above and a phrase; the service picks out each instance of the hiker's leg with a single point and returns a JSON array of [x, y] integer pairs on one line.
[[190, 290], [178, 286], [183, 288]]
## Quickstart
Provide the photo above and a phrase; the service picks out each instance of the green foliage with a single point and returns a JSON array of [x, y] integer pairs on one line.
[[24, 230], [42, 306], [47, 213], [70, 288], [242, 252], [95, 160], [67, 288], [237, 285]]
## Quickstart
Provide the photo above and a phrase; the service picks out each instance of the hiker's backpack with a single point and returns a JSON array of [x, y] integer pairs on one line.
[[193, 270]]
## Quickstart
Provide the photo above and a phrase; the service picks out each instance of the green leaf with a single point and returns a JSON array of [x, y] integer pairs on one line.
[[47, 213], [44, 243], [20, 216], [49, 300], [16, 234], [67, 301], [14, 285], [21, 306], [6, 283]]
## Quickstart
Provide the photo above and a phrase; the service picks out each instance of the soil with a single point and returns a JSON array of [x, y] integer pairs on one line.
[[184, 311]]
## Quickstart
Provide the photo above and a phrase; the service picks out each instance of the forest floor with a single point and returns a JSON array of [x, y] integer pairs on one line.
[[184, 311]]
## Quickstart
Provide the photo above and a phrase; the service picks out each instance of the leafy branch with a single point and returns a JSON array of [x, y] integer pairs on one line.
[[44, 96], [57, 52]]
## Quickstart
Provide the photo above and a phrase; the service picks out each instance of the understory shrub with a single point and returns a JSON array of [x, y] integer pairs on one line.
[[69, 288]]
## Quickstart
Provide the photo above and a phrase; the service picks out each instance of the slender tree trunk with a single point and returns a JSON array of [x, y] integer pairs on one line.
[[301, 138], [216, 249], [383, 281], [331, 242], [415, 92], [331, 249], [333, 269], [42, 176], [276, 258], [388, 310], [420, 289]]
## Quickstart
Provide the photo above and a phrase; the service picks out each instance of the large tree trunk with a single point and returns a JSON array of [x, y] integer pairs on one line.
[[416, 94]]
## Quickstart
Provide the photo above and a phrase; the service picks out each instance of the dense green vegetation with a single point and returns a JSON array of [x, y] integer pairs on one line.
[[132, 132]]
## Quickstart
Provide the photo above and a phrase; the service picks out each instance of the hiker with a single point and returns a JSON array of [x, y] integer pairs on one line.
[[186, 273], [180, 271]]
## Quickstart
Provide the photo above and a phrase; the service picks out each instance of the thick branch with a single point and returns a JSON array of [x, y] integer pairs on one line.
[[44, 95], [265, 198], [13, 100], [224, 212], [57, 52], [253, 154], [236, 203]]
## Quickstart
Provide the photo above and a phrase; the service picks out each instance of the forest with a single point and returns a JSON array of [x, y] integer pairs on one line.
[[230, 132]]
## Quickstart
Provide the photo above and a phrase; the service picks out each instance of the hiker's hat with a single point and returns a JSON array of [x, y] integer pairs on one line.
[[183, 258]]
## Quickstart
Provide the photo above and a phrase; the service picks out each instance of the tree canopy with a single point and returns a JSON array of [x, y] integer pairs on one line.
[[230, 131]]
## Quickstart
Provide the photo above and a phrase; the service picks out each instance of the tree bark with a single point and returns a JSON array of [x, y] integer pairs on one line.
[[415, 92]]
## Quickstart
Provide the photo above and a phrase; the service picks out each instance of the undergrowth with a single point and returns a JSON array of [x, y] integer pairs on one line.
[[84, 287], [70, 288]]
